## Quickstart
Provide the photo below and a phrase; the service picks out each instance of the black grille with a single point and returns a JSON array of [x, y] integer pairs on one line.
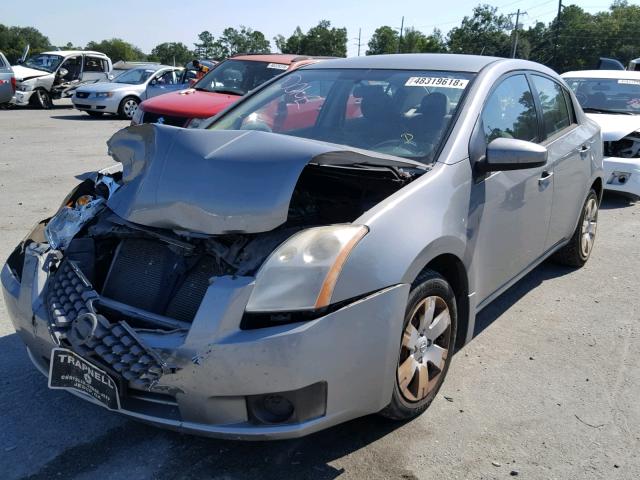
[[67, 296], [150, 117], [117, 346], [82, 94]]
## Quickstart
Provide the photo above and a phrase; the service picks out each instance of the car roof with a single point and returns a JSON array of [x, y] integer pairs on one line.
[[65, 53], [284, 58], [414, 61], [602, 74]]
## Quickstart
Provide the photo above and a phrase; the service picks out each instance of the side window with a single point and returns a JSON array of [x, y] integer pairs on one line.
[[554, 107], [510, 111], [2, 65], [93, 64]]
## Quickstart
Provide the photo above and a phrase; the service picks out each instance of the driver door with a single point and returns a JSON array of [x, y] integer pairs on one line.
[[513, 207]]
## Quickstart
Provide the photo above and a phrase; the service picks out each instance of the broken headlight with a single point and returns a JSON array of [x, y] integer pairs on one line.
[[65, 224], [25, 87], [302, 272]]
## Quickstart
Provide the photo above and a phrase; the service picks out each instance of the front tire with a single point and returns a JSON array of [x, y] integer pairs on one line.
[[128, 107], [578, 250], [426, 347], [43, 99]]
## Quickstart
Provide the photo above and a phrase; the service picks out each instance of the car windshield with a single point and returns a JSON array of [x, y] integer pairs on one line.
[[45, 62], [607, 95], [396, 112], [239, 76], [135, 76]]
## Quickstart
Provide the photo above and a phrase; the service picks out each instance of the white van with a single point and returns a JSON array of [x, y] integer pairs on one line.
[[46, 76]]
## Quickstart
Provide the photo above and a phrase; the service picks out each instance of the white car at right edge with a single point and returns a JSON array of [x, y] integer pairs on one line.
[[612, 99]]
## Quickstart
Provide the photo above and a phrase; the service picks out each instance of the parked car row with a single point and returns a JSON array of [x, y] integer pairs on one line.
[[314, 252]]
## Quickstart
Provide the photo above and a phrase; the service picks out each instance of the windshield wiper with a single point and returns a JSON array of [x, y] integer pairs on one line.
[[228, 91], [605, 110]]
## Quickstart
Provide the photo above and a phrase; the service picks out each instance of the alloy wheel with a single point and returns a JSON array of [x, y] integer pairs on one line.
[[129, 108], [589, 226], [425, 348]]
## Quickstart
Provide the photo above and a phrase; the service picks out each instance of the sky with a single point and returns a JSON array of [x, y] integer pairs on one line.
[[146, 23]]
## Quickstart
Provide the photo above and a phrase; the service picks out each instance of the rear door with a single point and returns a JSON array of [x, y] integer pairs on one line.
[[568, 144], [515, 205]]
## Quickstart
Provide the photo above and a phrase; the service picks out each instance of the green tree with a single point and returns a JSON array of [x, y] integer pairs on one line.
[[207, 47], [293, 44], [13, 41], [321, 40], [414, 41], [117, 49], [325, 40], [383, 40], [170, 52], [484, 33], [245, 40]]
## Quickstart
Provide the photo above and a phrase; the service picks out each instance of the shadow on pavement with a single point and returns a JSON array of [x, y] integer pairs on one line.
[[70, 437], [86, 118], [613, 200]]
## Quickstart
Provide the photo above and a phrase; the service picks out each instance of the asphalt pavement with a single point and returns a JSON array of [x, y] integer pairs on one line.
[[548, 389]]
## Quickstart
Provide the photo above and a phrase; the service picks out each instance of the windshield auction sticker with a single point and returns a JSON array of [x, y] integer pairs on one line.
[[278, 66], [444, 82], [629, 82]]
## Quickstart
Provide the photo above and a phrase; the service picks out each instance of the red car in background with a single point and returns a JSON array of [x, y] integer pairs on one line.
[[222, 86]]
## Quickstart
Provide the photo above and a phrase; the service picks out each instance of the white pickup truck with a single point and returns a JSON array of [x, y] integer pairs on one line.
[[46, 76]]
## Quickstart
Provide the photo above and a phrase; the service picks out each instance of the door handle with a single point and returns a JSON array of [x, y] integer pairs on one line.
[[585, 148], [545, 177]]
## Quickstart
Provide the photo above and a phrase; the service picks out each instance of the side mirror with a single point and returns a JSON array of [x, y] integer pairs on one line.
[[153, 82], [512, 154]]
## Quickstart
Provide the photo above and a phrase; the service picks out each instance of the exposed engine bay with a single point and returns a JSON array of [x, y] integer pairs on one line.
[[626, 147]]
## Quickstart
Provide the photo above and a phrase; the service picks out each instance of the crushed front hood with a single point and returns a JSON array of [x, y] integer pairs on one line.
[[26, 73], [217, 182], [614, 127]]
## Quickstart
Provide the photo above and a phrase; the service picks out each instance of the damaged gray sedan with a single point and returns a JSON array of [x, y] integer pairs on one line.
[[317, 253]]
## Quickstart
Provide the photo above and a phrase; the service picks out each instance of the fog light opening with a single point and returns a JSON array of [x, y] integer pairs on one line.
[[290, 407]]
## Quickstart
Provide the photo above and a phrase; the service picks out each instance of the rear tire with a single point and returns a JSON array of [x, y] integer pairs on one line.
[[578, 250], [128, 107], [426, 347]]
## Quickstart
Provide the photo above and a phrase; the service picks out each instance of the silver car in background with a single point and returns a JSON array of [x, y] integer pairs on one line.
[[122, 95], [7, 81], [317, 253]]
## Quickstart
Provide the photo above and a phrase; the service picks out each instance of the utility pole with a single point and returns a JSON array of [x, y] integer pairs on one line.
[[515, 32], [359, 44], [400, 39], [557, 32]]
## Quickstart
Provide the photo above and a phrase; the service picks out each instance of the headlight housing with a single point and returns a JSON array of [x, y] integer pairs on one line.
[[25, 87], [104, 94], [302, 272]]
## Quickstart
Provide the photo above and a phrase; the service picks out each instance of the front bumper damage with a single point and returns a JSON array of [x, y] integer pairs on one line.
[[622, 175], [208, 376], [22, 98]]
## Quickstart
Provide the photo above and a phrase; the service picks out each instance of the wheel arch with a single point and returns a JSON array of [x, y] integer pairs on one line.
[[598, 187], [452, 268]]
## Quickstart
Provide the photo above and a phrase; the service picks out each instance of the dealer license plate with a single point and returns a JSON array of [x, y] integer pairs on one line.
[[69, 371]]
